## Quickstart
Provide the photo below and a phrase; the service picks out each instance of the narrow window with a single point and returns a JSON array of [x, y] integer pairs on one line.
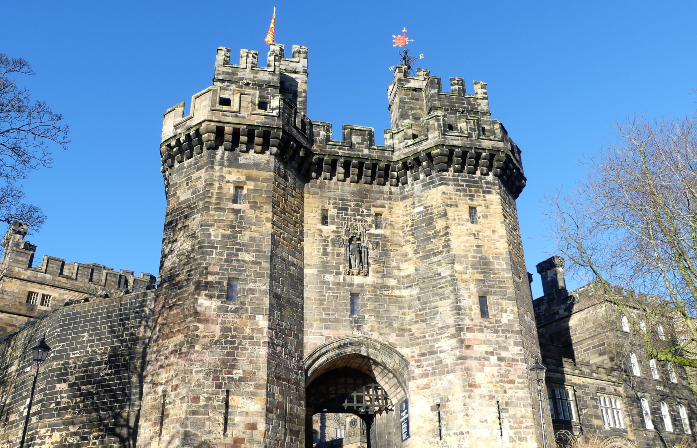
[[224, 101], [32, 298], [646, 411], [378, 221], [665, 412], [625, 323], [654, 369], [45, 300], [227, 411], [483, 130], [355, 305], [483, 307], [671, 373], [237, 198], [232, 290], [635, 364], [561, 404], [325, 217], [685, 419], [474, 219], [661, 333]]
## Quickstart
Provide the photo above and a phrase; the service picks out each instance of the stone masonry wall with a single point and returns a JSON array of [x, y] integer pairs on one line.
[[428, 267], [88, 390], [208, 349]]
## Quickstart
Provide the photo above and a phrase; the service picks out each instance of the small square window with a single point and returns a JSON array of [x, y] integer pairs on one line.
[[483, 307], [233, 287], [325, 217], [45, 300], [237, 198], [355, 305], [474, 218], [33, 298], [378, 221]]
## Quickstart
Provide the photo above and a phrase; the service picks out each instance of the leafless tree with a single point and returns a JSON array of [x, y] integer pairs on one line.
[[26, 129], [632, 222]]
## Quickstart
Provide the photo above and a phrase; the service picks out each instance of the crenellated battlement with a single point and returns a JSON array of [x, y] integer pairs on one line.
[[262, 109], [89, 278]]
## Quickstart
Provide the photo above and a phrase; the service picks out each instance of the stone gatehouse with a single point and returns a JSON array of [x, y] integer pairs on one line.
[[299, 277]]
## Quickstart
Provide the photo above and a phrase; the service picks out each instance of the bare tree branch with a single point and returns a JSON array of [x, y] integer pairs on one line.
[[633, 222]]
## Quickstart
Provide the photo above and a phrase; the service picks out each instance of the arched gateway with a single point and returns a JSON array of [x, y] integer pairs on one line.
[[356, 375]]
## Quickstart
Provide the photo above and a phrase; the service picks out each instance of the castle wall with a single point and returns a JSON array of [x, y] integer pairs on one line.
[[88, 390]]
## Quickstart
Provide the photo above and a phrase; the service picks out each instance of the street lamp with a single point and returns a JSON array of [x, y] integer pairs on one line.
[[538, 374], [39, 352]]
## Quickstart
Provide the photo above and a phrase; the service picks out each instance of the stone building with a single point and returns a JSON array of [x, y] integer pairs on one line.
[[600, 382], [300, 278]]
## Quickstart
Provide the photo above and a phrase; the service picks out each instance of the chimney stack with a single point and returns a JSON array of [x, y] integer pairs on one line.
[[552, 272]]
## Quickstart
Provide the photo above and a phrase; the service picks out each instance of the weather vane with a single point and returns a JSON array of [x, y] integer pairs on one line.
[[404, 58]]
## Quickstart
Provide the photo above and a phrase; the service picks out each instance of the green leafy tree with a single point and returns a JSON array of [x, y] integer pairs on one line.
[[27, 130]]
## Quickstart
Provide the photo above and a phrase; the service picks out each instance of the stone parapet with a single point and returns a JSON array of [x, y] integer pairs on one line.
[[256, 109]]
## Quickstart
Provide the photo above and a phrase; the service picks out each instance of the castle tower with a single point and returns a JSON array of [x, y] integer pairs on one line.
[[225, 365], [302, 275]]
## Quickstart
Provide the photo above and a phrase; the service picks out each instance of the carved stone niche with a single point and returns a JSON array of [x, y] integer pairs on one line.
[[355, 243]]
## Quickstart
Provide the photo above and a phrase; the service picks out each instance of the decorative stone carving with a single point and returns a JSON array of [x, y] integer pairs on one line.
[[356, 244]]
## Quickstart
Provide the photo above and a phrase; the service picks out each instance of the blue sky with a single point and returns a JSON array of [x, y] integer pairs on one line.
[[559, 73]]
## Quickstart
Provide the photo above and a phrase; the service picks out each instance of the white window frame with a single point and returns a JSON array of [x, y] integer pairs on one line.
[[625, 323], [671, 372], [636, 370], [661, 333], [561, 403], [654, 369], [611, 411], [665, 413], [685, 419], [646, 412]]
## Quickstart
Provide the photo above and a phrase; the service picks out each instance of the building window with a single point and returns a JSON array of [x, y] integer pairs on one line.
[[378, 221], [483, 307], [33, 298], [635, 364], [685, 419], [611, 411], [340, 433], [671, 373], [654, 369], [561, 404], [237, 197], [474, 218], [646, 411], [665, 412], [325, 217], [661, 333], [625, 323], [233, 287], [45, 300], [355, 305]]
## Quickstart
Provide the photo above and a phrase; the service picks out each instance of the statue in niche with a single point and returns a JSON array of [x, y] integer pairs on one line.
[[356, 247]]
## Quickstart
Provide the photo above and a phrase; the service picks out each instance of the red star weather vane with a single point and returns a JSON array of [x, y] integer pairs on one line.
[[401, 41], [405, 60]]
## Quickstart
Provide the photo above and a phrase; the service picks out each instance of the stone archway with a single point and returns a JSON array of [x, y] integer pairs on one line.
[[618, 442], [336, 369]]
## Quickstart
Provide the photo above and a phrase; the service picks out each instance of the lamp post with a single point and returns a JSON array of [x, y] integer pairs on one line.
[[538, 373], [39, 352]]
